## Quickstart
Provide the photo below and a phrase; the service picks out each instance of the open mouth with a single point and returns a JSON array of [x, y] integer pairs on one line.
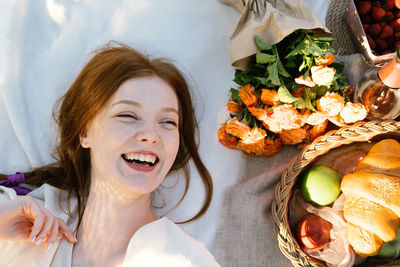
[[146, 160]]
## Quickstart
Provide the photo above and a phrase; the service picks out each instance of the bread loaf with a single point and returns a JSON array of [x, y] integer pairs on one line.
[[372, 192]]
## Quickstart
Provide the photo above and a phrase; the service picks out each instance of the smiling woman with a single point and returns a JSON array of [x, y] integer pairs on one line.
[[134, 140], [125, 123]]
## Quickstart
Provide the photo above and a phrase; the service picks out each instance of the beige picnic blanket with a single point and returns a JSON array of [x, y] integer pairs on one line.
[[246, 235]]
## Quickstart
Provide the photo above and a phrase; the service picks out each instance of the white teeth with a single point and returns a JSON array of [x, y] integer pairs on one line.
[[150, 158], [142, 157]]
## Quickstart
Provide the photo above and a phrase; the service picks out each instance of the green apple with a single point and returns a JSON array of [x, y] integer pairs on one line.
[[389, 250], [321, 185]]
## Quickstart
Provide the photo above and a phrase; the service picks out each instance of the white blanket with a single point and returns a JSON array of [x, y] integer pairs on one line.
[[44, 44]]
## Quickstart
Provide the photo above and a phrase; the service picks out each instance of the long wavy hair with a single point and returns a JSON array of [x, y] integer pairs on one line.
[[96, 83]]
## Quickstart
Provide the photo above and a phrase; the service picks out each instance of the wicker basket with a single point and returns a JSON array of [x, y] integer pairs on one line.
[[359, 132]]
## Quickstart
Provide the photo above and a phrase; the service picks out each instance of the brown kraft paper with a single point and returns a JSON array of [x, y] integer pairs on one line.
[[271, 20]]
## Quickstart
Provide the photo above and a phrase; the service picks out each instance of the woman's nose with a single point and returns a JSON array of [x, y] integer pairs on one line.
[[148, 134]]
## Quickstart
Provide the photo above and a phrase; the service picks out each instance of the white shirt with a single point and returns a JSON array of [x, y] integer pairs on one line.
[[160, 243]]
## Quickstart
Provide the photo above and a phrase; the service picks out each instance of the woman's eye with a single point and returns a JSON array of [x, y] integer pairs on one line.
[[170, 123], [124, 115]]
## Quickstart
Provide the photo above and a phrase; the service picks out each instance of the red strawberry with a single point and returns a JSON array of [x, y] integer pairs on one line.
[[366, 18], [378, 13], [389, 15], [371, 42], [382, 24], [395, 25], [386, 32], [374, 30], [389, 4], [397, 36], [378, 4], [365, 26], [397, 3], [396, 44], [364, 7], [381, 45], [398, 14], [390, 41]]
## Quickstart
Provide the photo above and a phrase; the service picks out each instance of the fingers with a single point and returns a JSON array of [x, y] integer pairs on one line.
[[67, 232], [51, 238], [58, 229], [46, 227], [53, 228], [38, 221]]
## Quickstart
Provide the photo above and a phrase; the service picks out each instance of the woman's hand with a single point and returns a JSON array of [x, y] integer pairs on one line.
[[23, 219]]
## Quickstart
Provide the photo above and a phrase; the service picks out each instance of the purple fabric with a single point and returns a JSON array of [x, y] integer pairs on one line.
[[13, 181]]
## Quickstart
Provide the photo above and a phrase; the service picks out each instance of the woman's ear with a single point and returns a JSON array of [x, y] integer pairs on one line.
[[83, 139]]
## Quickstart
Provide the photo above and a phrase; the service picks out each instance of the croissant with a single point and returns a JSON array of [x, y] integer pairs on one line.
[[372, 198]]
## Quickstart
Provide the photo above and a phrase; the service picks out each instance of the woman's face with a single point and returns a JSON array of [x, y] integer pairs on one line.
[[134, 140]]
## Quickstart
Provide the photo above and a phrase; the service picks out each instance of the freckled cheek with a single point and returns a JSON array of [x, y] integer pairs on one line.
[[112, 138], [172, 142], [121, 133]]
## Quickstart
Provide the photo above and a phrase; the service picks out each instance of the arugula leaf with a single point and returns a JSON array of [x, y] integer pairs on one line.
[[285, 96], [303, 64], [299, 48], [300, 104], [321, 90], [294, 38], [292, 86], [247, 118], [262, 45], [335, 86], [263, 58], [281, 69], [307, 99], [323, 39], [290, 64], [235, 95], [273, 76], [260, 66], [311, 92], [261, 80], [242, 77], [241, 114], [307, 63], [313, 49]]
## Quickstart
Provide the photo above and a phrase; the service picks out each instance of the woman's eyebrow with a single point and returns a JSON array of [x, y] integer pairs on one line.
[[170, 110], [136, 104], [128, 102]]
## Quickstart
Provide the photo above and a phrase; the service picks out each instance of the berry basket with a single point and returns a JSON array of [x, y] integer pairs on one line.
[[359, 132], [359, 36]]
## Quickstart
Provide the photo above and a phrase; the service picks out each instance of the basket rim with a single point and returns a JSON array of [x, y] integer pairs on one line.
[[359, 132]]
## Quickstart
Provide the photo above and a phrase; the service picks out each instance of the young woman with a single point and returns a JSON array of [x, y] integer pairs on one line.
[[125, 123]]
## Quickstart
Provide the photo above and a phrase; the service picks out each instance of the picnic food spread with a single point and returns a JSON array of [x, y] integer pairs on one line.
[[371, 205], [290, 89]]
